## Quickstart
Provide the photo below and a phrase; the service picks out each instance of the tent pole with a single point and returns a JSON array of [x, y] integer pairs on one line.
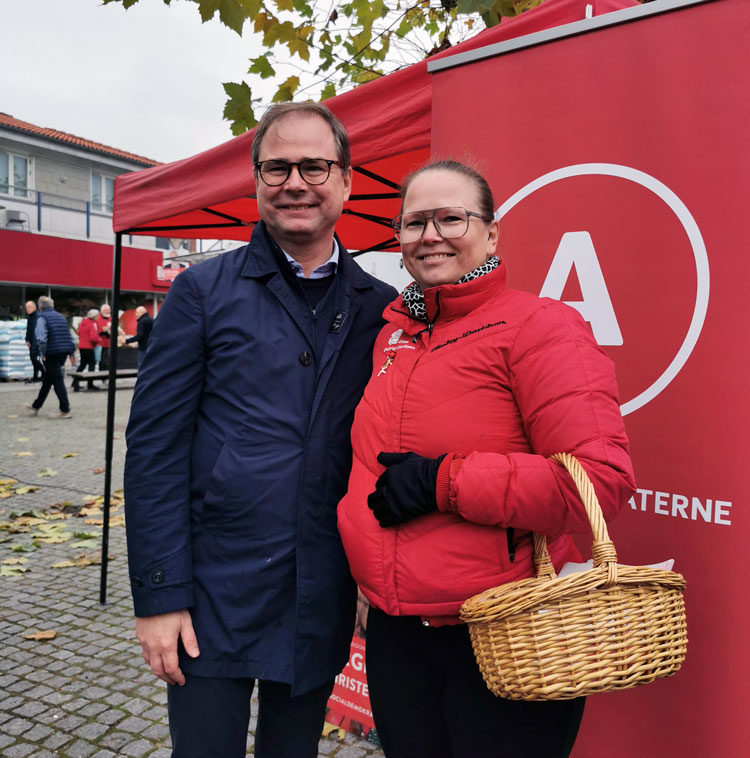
[[111, 387]]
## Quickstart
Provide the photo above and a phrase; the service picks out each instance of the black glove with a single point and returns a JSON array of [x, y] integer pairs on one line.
[[406, 489]]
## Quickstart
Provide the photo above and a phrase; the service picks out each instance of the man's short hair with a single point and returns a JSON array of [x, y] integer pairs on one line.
[[280, 110], [45, 303]]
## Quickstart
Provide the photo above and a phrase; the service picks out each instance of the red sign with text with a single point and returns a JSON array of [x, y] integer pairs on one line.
[[349, 704], [620, 164]]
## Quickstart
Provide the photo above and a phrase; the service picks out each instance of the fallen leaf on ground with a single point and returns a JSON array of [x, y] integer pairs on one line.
[[25, 490], [13, 415], [85, 545], [6, 493], [23, 439], [46, 634], [23, 454], [70, 455], [98, 470], [47, 472], [23, 547], [14, 561], [51, 534], [332, 729], [84, 559], [4, 482], [12, 570]]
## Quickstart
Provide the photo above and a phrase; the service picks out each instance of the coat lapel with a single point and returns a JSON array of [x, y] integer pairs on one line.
[[351, 283], [261, 264]]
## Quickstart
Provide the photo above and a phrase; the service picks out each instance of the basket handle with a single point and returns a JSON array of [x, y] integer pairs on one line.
[[603, 549]]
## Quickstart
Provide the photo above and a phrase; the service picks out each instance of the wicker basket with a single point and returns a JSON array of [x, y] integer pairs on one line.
[[607, 628]]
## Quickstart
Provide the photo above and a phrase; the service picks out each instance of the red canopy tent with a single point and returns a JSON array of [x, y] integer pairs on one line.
[[211, 195]]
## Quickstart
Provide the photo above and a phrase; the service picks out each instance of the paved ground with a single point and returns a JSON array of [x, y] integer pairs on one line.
[[86, 692]]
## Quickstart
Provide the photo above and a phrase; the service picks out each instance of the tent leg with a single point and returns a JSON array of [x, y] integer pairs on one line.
[[111, 387]]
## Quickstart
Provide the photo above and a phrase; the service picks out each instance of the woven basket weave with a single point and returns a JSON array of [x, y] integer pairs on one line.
[[608, 628]]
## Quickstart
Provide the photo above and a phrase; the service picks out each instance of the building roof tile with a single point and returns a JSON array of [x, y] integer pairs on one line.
[[10, 122]]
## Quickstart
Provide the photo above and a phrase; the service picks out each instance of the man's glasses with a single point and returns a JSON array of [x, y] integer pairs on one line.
[[313, 170], [450, 223]]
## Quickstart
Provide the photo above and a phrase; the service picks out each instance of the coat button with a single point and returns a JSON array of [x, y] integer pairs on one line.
[[137, 581], [157, 577], [305, 358]]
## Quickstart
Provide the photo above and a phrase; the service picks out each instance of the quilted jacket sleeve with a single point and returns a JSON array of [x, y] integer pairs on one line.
[[566, 392], [157, 466]]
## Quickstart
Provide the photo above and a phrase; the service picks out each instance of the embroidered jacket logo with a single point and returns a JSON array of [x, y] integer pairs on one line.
[[395, 337]]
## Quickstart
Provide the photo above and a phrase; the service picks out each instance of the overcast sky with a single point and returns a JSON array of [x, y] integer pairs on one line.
[[147, 80]]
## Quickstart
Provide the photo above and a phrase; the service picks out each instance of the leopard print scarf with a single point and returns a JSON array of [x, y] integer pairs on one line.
[[413, 296]]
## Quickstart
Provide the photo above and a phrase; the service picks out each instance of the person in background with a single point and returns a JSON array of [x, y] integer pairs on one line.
[[88, 339], [36, 362], [55, 344], [473, 388], [104, 327], [143, 330], [239, 450]]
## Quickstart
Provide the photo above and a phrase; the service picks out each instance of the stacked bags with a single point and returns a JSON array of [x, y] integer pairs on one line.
[[14, 355]]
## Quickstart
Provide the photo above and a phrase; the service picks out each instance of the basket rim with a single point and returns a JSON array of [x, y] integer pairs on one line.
[[524, 595]]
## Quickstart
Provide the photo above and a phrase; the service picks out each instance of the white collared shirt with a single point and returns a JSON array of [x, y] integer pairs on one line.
[[325, 269]]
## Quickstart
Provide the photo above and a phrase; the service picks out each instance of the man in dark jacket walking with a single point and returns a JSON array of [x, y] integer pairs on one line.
[[31, 317], [239, 451], [143, 329], [55, 344]]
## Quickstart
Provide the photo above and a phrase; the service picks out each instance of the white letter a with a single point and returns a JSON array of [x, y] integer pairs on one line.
[[577, 250]]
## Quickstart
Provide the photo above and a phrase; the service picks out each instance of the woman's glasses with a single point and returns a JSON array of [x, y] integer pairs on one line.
[[449, 223]]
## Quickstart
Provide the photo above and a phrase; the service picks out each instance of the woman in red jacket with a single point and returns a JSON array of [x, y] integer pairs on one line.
[[473, 387], [88, 339]]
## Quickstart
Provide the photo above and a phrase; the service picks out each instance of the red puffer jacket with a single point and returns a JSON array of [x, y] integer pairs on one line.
[[88, 335], [501, 381]]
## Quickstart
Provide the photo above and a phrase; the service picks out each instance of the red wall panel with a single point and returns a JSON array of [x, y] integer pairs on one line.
[[637, 136], [40, 259]]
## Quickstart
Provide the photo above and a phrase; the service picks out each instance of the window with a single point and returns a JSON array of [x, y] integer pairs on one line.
[[14, 175], [102, 193]]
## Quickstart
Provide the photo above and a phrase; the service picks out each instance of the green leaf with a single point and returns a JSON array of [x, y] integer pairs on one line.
[[12, 570], [367, 76], [127, 3], [238, 109], [262, 67], [328, 91], [232, 13], [286, 91], [24, 547], [303, 8]]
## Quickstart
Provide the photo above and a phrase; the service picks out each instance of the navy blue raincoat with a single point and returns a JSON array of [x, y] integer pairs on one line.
[[238, 453]]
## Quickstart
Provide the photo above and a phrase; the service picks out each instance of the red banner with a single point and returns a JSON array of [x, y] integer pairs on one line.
[[620, 163], [349, 705]]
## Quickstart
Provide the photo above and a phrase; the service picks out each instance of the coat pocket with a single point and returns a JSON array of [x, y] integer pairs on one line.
[[247, 498]]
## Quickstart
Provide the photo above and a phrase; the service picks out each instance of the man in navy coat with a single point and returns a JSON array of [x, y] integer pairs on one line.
[[239, 451]]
